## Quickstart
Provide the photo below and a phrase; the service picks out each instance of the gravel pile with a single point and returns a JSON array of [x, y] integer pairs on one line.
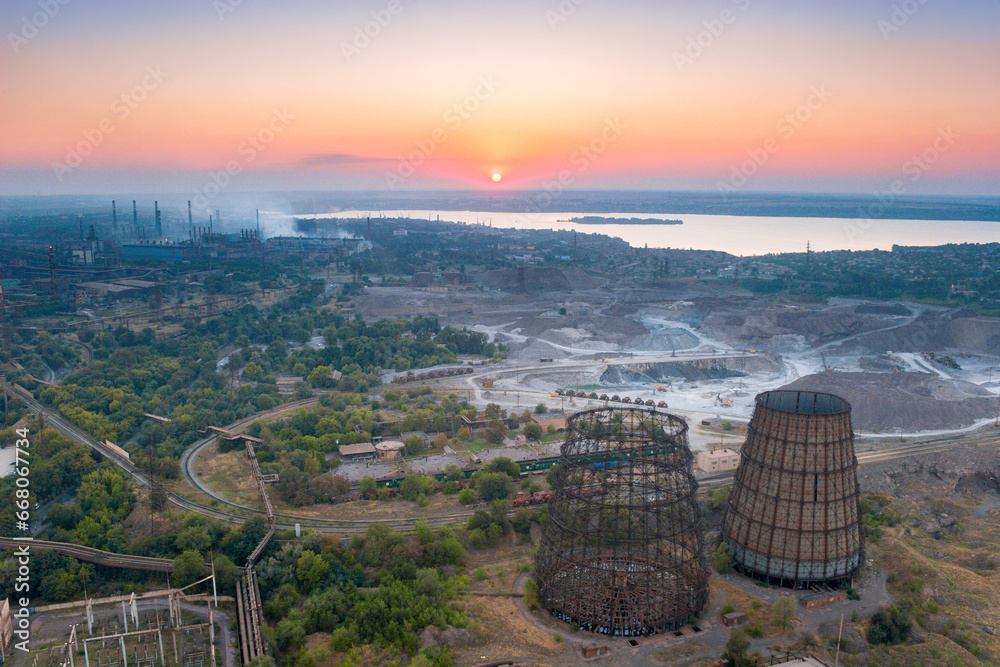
[[885, 402]]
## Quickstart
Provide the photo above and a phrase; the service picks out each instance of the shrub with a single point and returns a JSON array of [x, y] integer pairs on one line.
[[890, 625], [504, 465], [728, 609], [721, 558], [783, 611], [754, 631], [531, 599], [451, 487], [414, 486], [494, 485], [736, 647]]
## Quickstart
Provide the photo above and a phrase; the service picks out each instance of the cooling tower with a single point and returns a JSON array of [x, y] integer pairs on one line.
[[622, 551], [793, 516]]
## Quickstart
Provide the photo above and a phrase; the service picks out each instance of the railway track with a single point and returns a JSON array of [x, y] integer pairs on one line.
[[236, 513]]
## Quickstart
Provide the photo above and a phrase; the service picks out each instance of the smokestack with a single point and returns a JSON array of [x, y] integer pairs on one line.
[[135, 218], [159, 224], [258, 224], [190, 221], [80, 219], [114, 216]]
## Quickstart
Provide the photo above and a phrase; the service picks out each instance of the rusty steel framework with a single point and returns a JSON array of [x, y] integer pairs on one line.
[[794, 516], [622, 551]]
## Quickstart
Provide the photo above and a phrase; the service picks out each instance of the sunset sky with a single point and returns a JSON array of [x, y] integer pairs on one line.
[[123, 95]]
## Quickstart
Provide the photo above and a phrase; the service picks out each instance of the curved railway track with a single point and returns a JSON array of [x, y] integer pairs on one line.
[[236, 513]]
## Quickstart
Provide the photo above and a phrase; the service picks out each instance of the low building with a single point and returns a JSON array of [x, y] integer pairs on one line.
[[554, 419], [822, 598], [718, 460], [734, 618], [389, 450], [361, 451]]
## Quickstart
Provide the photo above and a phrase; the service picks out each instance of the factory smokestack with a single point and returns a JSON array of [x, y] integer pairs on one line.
[[114, 216], [159, 224]]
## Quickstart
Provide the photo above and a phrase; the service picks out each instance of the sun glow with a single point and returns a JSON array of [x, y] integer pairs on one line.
[[496, 178]]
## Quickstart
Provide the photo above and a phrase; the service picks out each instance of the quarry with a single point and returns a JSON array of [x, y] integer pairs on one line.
[[707, 348]]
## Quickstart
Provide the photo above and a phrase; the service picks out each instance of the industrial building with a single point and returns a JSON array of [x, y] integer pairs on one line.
[[556, 420], [389, 450], [622, 550], [362, 451], [793, 517], [718, 460]]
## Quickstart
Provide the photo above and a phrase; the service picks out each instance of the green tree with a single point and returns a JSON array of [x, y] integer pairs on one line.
[[504, 465], [783, 611], [226, 572], [193, 538], [541, 409], [890, 625], [737, 648], [494, 485], [532, 431], [718, 498], [414, 445], [189, 567], [368, 486], [310, 570], [466, 497], [493, 412], [496, 431], [414, 486], [721, 558]]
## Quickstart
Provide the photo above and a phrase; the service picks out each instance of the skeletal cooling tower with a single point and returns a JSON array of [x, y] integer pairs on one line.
[[793, 516], [622, 551]]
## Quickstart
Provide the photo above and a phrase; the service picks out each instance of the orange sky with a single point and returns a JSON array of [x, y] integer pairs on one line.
[[533, 95]]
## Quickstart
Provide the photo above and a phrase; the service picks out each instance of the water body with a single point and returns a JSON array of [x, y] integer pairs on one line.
[[739, 235]]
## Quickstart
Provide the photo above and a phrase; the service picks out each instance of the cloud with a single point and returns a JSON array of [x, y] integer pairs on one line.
[[336, 159]]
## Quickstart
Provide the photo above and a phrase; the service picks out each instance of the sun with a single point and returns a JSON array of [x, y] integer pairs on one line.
[[496, 178]]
